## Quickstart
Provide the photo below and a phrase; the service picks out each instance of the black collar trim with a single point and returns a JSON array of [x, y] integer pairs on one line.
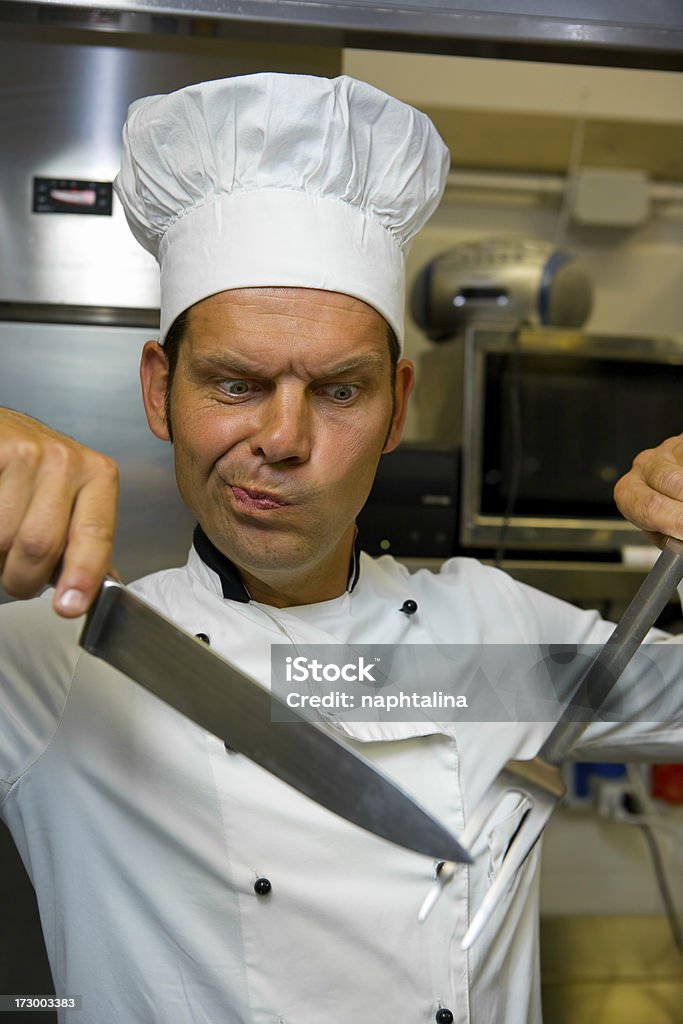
[[233, 588], [228, 574], [354, 571]]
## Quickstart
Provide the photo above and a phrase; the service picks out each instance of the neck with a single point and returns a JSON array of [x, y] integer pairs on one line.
[[329, 578]]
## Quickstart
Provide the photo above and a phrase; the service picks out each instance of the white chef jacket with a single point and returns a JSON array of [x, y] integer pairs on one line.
[[144, 836]]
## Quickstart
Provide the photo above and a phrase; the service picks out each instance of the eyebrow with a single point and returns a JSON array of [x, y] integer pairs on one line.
[[226, 362]]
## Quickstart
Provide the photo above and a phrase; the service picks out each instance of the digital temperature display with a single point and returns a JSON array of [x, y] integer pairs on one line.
[[67, 195]]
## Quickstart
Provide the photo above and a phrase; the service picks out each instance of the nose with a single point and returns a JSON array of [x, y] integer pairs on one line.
[[283, 430]]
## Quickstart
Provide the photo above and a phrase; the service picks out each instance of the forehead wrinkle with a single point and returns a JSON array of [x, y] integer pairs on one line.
[[263, 299], [227, 360], [313, 316], [272, 334], [269, 303]]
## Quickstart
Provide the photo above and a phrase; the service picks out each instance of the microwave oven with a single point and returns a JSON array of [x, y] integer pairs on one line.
[[547, 421]]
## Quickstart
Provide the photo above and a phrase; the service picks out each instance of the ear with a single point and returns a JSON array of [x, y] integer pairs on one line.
[[154, 380], [405, 378]]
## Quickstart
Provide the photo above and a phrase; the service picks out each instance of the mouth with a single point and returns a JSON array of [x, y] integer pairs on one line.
[[252, 500]]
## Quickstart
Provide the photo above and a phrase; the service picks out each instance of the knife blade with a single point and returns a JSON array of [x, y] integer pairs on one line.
[[134, 638]]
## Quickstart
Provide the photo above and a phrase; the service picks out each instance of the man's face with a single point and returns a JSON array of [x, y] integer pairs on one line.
[[281, 406]]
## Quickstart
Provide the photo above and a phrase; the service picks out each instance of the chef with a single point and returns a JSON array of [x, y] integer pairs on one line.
[[177, 881]]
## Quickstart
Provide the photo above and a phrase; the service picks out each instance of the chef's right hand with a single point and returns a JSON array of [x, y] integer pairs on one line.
[[58, 499]]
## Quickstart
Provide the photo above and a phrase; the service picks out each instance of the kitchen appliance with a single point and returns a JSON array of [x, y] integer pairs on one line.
[[547, 422], [519, 280], [412, 507]]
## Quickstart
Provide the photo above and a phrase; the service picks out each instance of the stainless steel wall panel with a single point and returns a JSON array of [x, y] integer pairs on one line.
[[84, 381], [62, 108]]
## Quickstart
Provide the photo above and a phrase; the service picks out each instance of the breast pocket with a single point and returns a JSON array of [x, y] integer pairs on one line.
[[511, 813]]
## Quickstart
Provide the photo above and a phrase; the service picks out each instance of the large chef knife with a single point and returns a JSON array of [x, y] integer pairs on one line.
[[134, 638]]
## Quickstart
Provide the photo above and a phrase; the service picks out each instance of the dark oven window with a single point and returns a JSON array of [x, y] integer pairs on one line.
[[582, 420]]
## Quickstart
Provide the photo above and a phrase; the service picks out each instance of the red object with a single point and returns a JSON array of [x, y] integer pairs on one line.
[[667, 782]]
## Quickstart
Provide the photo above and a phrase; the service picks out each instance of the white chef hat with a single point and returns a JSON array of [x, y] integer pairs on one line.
[[280, 180]]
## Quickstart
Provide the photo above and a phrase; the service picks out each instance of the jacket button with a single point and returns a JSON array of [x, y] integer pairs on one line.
[[262, 887], [444, 1016]]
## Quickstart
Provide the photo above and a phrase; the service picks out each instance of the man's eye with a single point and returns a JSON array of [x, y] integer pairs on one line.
[[236, 388], [342, 392]]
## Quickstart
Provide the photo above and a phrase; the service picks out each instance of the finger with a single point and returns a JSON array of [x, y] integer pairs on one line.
[[38, 539], [88, 552], [649, 509], [662, 468], [16, 486]]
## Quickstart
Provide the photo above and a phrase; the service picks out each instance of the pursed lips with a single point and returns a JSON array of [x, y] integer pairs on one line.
[[257, 499]]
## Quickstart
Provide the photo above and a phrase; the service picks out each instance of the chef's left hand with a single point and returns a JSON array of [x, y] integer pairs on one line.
[[650, 495]]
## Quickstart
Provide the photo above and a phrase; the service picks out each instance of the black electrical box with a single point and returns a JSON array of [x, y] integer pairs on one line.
[[413, 506]]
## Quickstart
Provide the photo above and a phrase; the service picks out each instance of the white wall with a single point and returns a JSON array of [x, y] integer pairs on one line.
[[592, 866], [425, 79]]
